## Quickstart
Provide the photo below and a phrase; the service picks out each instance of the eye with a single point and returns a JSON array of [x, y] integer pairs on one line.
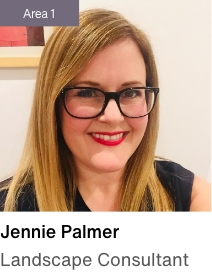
[[86, 93], [132, 93]]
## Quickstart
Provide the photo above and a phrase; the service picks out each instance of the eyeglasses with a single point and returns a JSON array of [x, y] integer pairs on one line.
[[89, 102]]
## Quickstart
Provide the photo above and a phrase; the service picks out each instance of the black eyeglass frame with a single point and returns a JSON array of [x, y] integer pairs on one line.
[[108, 96]]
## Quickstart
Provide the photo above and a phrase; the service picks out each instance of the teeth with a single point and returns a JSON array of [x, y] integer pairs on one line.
[[108, 137], [114, 137]]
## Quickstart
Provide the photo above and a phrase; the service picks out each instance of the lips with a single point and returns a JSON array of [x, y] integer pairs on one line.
[[108, 138]]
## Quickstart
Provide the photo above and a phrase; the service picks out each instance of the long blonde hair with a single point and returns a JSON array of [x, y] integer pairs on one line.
[[46, 160]]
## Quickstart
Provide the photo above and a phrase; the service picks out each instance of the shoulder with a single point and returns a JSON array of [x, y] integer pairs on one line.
[[3, 192], [3, 195], [26, 199], [201, 195], [191, 193], [173, 168], [178, 181]]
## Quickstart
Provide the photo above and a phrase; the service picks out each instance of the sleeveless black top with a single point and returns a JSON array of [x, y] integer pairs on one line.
[[176, 180]]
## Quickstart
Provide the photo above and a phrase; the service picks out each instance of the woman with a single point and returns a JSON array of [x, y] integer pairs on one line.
[[93, 128]]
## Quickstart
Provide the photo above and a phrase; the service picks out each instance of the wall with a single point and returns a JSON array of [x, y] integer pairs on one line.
[[179, 31]]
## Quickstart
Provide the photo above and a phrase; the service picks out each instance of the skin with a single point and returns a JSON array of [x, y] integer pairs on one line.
[[100, 167], [201, 195]]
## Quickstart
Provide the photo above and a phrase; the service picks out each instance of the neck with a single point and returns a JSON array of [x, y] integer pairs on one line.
[[101, 191]]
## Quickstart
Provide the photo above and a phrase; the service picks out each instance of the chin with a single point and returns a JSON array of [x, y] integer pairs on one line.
[[107, 163], [109, 168]]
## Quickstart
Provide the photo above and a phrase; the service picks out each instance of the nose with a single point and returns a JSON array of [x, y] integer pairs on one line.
[[111, 114]]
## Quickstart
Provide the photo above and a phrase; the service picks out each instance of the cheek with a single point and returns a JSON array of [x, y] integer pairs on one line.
[[72, 127], [138, 124]]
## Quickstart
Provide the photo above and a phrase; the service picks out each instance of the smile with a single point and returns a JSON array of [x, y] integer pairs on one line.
[[108, 139]]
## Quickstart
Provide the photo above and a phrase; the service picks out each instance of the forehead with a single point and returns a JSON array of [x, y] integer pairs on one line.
[[117, 63]]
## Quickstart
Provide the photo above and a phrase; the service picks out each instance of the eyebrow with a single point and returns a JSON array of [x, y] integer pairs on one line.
[[132, 83], [92, 83]]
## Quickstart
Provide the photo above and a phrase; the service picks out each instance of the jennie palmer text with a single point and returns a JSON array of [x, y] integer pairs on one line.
[[103, 259], [66, 230]]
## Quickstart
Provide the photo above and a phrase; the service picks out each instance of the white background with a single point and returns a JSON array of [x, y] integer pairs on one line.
[[179, 31], [169, 234]]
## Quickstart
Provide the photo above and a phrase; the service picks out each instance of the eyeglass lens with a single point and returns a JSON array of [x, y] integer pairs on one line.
[[88, 102]]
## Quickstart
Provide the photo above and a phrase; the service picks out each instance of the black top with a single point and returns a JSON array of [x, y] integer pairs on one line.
[[176, 180]]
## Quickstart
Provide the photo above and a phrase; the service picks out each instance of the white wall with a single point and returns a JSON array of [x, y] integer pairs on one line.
[[179, 31]]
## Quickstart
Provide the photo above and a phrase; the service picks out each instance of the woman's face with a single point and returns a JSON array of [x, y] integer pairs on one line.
[[117, 67]]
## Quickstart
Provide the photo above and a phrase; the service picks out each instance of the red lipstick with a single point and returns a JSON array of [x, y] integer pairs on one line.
[[108, 138]]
